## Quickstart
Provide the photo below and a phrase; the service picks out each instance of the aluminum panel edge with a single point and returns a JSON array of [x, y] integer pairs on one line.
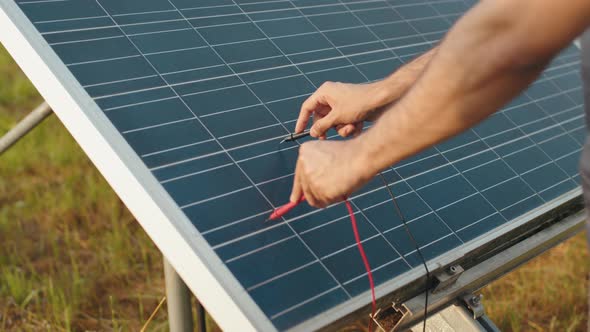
[[225, 299]]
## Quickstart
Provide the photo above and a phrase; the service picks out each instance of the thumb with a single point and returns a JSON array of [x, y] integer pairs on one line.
[[321, 126]]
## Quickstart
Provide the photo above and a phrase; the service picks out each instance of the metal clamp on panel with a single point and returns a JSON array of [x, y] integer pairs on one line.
[[447, 277]]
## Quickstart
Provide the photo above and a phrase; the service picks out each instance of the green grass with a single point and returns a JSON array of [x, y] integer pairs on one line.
[[548, 294], [72, 257]]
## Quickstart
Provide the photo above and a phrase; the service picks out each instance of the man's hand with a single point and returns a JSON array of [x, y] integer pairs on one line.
[[329, 171], [342, 106], [345, 106]]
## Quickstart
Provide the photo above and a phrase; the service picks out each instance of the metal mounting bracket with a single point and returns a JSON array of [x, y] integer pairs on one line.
[[473, 303], [447, 277]]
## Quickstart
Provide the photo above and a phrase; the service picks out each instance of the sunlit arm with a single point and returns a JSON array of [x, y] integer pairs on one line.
[[493, 53]]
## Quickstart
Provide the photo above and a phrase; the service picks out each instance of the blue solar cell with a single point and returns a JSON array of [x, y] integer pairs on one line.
[[203, 91]]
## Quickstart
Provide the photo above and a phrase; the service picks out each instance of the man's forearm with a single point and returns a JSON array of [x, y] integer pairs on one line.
[[489, 57], [400, 81]]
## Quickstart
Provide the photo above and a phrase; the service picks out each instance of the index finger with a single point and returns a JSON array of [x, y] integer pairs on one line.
[[307, 108]]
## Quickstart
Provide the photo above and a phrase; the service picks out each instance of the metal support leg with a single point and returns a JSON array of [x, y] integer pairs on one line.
[[178, 297], [24, 126], [201, 318]]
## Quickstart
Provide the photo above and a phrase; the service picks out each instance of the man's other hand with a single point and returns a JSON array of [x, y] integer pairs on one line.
[[342, 106], [329, 171]]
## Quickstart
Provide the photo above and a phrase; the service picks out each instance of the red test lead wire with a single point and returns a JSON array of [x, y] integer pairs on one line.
[[359, 244], [281, 211]]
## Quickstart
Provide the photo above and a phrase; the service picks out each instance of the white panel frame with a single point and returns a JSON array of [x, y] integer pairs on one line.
[[194, 260]]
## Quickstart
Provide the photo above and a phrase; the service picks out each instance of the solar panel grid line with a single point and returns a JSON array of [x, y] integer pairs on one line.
[[380, 188], [375, 268], [195, 173], [159, 31], [328, 255], [350, 246], [232, 223], [220, 112], [96, 61], [206, 7], [465, 197], [290, 237], [352, 200], [401, 257], [458, 161], [151, 12], [247, 131], [427, 204], [118, 81], [158, 125], [343, 249], [70, 19], [395, 249], [19, 37], [216, 89], [558, 183], [77, 63], [546, 140], [494, 160], [325, 224], [551, 116], [84, 40], [311, 82], [176, 148], [476, 222], [411, 253], [456, 169], [559, 124], [430, 263], [443, 179], [215, 197], [237, 23], [285, 311], [271, 68], [283, 149], [279, 276], [285, 1], [40, 1], [250, 180], [139, 103], [518, 175]]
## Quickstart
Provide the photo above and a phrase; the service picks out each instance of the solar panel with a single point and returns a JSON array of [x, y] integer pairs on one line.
[[181, 105]]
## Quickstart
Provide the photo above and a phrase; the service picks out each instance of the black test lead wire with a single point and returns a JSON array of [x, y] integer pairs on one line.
[[293, 137], [411, 236]]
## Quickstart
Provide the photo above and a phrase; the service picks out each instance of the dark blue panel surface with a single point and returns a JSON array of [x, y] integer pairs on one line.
[[204, 90]]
